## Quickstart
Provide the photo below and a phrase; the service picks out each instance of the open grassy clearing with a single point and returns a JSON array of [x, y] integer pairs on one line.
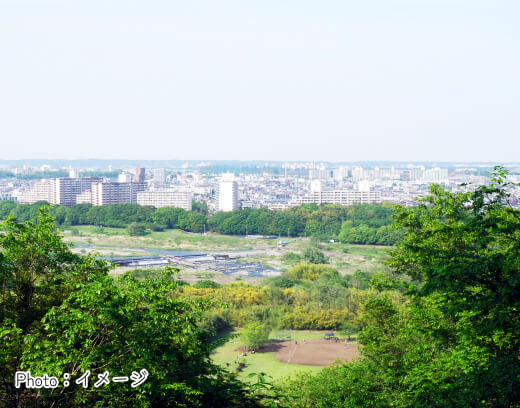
[[168, 239], [227, 356]]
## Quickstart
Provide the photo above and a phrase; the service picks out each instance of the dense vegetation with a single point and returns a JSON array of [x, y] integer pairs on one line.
[[62, 313], [454, 339], [307, 296], [359, 224]]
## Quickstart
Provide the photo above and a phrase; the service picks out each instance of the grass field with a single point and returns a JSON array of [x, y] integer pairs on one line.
[[168, 239], [368, 251], [226, 356]]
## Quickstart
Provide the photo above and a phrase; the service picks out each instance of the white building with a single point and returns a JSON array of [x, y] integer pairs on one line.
[[435, 175], [39, 191], [166, 198], [61, 191], [316, 186], [84, 198], [66, 189], [342, 197], [125, 177], [159, 176], [227, 193], [110, 192]]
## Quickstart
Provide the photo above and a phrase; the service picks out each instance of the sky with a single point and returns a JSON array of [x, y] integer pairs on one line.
[[404, 80]]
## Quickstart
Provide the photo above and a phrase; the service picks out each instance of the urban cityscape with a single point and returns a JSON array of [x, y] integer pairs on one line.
[[274, 186]]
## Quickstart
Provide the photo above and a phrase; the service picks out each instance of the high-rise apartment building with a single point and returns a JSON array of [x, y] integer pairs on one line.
[[166, 198], [139, 175], [66, 189], [85, 197], [39, 191], [159, 176], [61, 191], [435, 175], [110, 192], [227, 193]]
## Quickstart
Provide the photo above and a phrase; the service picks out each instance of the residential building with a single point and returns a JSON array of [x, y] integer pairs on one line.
[[342, 197], [84, 198], [61, 191], [125, 177], [39, 191], [110, 192], [139, 175], [227, 193], [159, 176], [166, 198], [66, 189]]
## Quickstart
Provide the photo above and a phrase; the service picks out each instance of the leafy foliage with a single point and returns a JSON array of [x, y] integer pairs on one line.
[[256, 334], [136, 230], [454, 340], [313, 255], [62, 313]]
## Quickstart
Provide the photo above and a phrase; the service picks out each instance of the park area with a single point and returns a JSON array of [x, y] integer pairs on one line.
[[303, 352]]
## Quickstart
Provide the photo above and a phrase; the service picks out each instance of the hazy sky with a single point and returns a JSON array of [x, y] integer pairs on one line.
[[276, 80]]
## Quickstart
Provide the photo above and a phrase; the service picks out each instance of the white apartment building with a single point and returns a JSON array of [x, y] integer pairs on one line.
[[84, 198], [62, 191], [66, 189], [159, 176], [166, 198], [342, 197], [435, 175], [106, 193], [125, 177], [227, 193], [40, 191]]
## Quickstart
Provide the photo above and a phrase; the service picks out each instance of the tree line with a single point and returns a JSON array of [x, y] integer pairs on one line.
[[358, 224]]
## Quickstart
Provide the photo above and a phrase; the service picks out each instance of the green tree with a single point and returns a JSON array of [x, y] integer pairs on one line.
[[206, 283], [62, 313], [136, 230], [200, 207], [256, 334], [124, 328], [465, 249], [308, 271], [313, 255], [37, 273]]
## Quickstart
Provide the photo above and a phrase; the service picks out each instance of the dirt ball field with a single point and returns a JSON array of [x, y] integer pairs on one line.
[[317, 352]]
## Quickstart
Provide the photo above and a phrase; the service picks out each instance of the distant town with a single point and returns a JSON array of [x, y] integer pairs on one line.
[[237, 185]]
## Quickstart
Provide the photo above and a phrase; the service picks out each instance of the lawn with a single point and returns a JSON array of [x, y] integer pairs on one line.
[[227, 357], [368, 251]]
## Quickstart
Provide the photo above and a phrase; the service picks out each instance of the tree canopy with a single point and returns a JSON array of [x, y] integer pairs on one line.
[[62, 313]]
